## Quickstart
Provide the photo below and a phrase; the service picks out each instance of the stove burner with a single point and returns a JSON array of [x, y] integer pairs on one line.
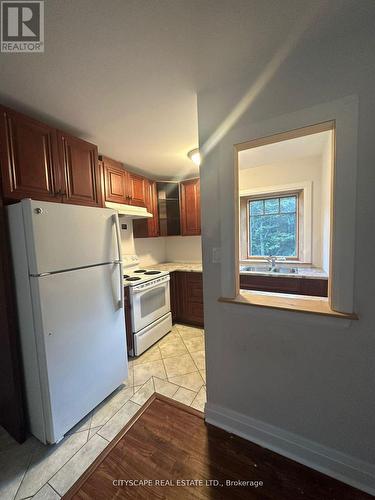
[[140, 271], [125, 276], [133, 278], [152, 272]]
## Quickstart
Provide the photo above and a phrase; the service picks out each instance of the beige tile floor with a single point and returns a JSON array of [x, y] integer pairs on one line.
[[174, 367]]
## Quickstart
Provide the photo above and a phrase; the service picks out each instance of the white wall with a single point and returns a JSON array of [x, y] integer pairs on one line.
[[309, 378], [149, 250], [183, 248], [164, 249], [293, 171]]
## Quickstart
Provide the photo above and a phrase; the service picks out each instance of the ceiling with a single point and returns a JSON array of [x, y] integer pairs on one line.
[[283, 151], [125, 73]]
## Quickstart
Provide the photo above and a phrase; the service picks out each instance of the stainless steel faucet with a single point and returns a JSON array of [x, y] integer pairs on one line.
[[272, 260]]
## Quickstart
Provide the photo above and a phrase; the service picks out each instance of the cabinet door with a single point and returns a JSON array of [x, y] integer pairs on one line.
[[29, 158], [143, 228], [115, 181], [190, 207], [79, 160], [137, 191], [193, 298], [175, 285], [168, 200], [154, 209], [148, 228], [187, 297]]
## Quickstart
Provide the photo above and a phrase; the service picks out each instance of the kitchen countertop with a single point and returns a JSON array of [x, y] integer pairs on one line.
[[194, 267], [303, 272]]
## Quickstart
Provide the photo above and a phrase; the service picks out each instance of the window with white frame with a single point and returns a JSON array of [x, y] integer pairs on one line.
[[273, 226], [276, 221]]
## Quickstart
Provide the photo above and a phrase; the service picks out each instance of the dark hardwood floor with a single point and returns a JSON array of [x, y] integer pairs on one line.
[[168, 441]]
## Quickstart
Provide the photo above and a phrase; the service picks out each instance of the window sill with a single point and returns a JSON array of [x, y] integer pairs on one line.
[[287, 302]]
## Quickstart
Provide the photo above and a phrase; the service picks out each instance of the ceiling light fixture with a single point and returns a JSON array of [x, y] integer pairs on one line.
[[195, 156]]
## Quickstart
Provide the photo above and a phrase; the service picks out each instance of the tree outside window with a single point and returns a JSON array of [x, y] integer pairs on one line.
[[273, 226]]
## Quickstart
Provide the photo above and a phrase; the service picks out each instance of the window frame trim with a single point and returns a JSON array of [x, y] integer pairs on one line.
[[266, 196]]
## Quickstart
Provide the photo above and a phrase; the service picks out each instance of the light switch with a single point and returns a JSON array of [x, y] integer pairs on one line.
[[216, 255]]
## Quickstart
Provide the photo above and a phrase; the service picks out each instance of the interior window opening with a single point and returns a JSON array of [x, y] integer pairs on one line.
[[285, 199]]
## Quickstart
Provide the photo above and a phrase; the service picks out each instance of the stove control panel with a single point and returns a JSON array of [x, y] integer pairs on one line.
[[149, 284]]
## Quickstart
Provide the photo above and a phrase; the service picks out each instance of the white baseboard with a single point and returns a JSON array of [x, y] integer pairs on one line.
[[331, 462]]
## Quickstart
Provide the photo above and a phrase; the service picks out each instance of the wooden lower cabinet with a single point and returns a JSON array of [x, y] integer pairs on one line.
[[187, 298], [282, 284]]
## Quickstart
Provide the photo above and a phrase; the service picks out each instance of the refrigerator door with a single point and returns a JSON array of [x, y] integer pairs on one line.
[[62, 237], [80, 327]]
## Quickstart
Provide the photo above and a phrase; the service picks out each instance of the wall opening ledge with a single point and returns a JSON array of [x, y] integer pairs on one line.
[[288, 302]]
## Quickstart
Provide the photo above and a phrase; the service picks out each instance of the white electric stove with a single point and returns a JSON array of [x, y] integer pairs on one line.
[[149, 301]]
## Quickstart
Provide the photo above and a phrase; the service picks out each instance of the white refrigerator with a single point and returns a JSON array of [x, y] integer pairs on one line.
[[69, 289]]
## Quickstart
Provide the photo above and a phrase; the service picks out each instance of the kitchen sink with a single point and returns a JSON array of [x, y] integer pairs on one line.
[[269, 269], [285, 270], [259, 269]]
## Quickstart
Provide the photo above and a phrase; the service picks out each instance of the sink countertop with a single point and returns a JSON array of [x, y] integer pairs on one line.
[[303, 272]]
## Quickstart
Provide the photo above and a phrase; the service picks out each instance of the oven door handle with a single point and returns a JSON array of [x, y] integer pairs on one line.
[[141, 290], [119, 262]]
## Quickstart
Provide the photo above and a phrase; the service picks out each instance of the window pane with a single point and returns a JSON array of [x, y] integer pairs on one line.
[[256, 207], [288, 204], [271, 206], [273, 235]]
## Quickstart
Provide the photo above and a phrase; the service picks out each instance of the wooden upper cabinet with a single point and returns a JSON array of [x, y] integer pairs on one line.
[[137, 190], [154, 209], [168, 194], [190, 207], [28, 157], [80, 170], [115, 181], [148, 228]]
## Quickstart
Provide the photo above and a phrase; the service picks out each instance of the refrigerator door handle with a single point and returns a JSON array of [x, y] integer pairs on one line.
[[118, 241], [121, 299]]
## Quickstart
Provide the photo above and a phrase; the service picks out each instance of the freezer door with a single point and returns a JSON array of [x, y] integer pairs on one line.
[[61, 237], [81, 329]]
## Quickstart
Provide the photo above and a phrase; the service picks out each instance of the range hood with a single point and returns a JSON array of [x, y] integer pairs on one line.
[[129, 210]]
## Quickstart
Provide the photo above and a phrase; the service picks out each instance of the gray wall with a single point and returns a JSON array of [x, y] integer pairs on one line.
[[311, 377]]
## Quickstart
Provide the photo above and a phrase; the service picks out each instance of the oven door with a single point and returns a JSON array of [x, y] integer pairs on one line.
[[149, 304]]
